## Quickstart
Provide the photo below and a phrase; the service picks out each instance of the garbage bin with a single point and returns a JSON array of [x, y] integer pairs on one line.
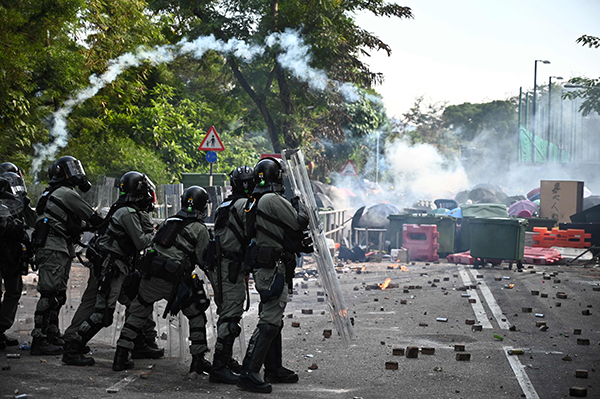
[[539, 222], [497, 238]]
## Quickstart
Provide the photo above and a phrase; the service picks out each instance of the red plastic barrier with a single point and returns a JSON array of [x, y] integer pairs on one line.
[[463, 258], [541, 256], [571, 238], [421, 241]]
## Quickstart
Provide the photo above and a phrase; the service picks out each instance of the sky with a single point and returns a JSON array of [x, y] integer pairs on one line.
[[459, 51]]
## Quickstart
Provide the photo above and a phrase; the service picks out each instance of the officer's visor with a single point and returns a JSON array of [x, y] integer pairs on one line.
[[74, 168]]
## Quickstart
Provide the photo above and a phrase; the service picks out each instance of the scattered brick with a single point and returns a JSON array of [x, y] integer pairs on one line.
[[558, 304], [526, 310], [327, 333], [535, 293], [472, 300], [296, 324], [540, 323], [428, 351], [586, 312], [544, 295], [403, 302], [578, 392], [544, 328], [307, 311], [477, 327], [313, 366], [375, 299], [446, 278], [423, 324], [320, 293], [480, 276], [577, 331], [356, 288], [436, 280], [320, 299], [581, 374], [289, 316], [556, 281], [391, 365], [412, 352], [595, 288], [398, 351], [583, 341], [561, 295], [497, 278], [463, 356], [459, 348]]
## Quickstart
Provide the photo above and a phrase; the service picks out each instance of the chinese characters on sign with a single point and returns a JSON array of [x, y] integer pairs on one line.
[[555, 200]]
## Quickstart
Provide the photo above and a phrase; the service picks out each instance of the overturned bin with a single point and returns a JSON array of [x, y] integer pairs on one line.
[[497, 238]]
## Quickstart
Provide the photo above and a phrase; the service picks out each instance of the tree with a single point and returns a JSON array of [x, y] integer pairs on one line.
[[590, 90], [289, 110]]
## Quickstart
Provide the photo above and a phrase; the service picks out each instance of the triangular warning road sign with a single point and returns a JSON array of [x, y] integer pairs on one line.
[[212, 141], [349, 169]]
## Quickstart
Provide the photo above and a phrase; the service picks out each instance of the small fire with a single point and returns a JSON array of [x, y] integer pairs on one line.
[[404, 268], [511, 285], [385, 284]]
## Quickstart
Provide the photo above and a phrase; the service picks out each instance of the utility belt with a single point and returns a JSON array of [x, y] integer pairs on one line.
[[262, 257], [163, 268]]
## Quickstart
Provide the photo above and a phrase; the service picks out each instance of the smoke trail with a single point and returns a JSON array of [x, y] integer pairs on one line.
[[294, 57]]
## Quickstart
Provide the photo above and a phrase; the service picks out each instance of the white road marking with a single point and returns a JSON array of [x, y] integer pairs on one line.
[[493, 305], [521, 375], [121, 384], [478, 309]]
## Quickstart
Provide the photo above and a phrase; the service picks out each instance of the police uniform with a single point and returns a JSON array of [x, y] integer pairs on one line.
[[13, 259], [165, 270], [273, 211], [64, 211], [229, 285], [124, 238]]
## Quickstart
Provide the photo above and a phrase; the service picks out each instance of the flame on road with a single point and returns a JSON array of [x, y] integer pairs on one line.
[[385, 284]]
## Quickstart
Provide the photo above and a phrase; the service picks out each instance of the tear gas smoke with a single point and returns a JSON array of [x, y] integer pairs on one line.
[[294, 56]]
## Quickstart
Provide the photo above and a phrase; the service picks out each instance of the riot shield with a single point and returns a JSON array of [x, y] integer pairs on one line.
[[298, 177]]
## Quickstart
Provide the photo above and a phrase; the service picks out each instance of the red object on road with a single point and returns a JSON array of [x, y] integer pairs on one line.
[[421, 241], [571, 238], [541, 256]]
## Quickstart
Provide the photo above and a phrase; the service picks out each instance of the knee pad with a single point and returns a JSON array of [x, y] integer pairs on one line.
[[234, 328], [61, 298], [50, 298]]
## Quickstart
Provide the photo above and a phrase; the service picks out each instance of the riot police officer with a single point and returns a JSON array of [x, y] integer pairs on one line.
[[178, 246], [127, 232], [15, 249], [228, 279], [276, 228], [61, 216]]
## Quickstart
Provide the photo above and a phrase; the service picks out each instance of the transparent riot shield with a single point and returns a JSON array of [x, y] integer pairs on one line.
[[296, 173]]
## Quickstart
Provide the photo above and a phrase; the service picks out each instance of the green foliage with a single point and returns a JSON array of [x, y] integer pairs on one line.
[[590, 90]]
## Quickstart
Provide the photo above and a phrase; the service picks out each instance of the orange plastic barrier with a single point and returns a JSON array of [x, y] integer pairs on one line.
[[571, 238], [421, 241]]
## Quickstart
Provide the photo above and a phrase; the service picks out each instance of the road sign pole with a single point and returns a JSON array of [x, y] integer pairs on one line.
[[210, 177]]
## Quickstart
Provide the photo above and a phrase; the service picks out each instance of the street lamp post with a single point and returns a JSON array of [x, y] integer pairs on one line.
[[550, 113], [533, 108]]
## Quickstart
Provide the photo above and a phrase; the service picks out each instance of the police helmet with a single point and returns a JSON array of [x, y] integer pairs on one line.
[[11, 167], [268, 176], [242, 180], [138, 188], [12, 185], [69, 169], [195, 198]]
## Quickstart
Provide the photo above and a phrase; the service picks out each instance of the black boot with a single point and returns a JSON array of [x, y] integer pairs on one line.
[[41, 347], [122, 360], [274, 370], [74, 354], [250, 379], [219, 372], [141, 350], [234, 366], [8, 341], [199, 364], [56, 338]]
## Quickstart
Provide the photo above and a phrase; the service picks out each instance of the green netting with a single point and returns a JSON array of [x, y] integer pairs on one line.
[[541, 149]]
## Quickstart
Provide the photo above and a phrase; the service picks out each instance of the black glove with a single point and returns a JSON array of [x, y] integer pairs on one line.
[[296, 203]]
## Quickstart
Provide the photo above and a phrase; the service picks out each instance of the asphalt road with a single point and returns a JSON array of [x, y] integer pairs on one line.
[[427, 306]]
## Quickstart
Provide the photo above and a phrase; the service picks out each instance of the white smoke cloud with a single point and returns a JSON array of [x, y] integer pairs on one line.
[[295, 57]]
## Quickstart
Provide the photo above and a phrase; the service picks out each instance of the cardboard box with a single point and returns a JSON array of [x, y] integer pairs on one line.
[[399, 255], [560, 199]]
